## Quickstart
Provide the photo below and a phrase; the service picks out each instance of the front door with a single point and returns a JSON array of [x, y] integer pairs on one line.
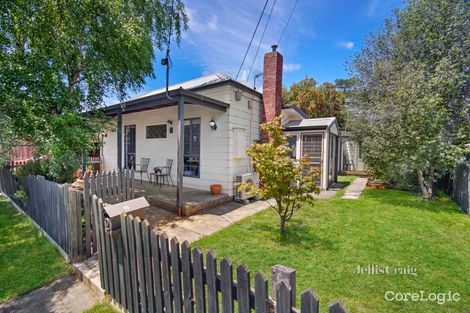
[[129, 146], [312, 149]]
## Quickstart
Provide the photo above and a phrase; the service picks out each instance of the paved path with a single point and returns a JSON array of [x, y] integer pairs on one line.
[[354, 190], [64, 295], [209, 221]]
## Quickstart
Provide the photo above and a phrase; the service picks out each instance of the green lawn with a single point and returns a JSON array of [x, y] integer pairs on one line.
[[101, 307], [326, 243], [27, 259]]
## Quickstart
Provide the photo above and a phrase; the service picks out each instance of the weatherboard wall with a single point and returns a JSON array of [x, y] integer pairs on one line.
[[220, 159]]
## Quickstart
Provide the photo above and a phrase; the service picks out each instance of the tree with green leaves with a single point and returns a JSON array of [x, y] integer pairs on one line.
[[8, 139], [317, 101], [411, 108], [59, 59], [288, 181]]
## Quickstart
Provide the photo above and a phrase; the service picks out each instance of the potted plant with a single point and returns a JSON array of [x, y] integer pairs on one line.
[[216, 189]]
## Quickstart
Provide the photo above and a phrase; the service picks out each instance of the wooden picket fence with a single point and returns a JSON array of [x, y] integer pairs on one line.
[[54, 208], [113, 187], [144, 271], [57, 210], [64, 214], [7, 182]]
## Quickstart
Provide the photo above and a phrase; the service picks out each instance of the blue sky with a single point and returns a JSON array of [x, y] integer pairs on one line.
[[322, 35]]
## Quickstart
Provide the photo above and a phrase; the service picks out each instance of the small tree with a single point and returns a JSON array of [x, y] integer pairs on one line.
[[288, 181]]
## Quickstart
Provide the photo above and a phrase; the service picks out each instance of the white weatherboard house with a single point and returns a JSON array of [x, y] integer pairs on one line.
[[180, 126]]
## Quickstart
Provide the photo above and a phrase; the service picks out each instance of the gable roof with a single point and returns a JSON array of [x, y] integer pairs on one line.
[[311, 123], [202, 82], [195, 83]]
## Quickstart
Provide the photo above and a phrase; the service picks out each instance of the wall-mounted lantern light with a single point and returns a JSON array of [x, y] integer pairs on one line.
[[213, 124]]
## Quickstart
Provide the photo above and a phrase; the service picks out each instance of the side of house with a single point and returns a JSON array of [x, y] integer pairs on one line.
[[222, 119], [211, 156]]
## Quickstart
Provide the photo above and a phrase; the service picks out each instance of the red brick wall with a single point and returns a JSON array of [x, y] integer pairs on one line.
[[272, 85], [21, 154]]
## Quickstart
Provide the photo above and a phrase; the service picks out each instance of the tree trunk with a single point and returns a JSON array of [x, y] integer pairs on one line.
[[282, 224], [426, 185]]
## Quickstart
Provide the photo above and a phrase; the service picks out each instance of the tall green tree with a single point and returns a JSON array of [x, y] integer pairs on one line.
[[8, 139], [411, 105], [317, 101], [58, 59]]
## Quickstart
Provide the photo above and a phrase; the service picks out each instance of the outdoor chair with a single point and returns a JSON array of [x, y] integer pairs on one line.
[[144, 165], [164, 172]]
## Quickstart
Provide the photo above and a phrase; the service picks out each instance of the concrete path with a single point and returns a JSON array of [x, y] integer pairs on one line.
[[64, 295], [354, 190], [209, 221]]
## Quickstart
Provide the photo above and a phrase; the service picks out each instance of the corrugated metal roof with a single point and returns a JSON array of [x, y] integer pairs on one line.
[[311, 122], [188, 85]]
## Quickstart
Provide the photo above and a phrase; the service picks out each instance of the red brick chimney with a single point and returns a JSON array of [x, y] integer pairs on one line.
[[272, 85]]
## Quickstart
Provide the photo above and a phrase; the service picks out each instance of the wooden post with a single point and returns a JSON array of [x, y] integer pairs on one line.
[[119, 139], [180, 158], [279, 274]]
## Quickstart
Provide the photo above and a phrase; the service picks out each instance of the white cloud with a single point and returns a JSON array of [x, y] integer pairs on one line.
[[345, 44], [198, 25], [219, 33], [291, 67]]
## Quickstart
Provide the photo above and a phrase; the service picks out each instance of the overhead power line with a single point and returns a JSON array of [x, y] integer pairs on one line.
[[288, 20], [260, 41], [253, 36]]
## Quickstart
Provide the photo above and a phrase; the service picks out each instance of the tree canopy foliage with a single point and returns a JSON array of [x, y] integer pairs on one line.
[[59, 59], [411, 106], [317, 101], [288, 181]]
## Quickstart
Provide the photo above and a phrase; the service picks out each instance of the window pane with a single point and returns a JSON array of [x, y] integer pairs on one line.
[[156, 131], [292, 141], [192, 147]]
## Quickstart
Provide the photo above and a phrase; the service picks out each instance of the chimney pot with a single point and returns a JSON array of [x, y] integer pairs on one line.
[[274, 47]]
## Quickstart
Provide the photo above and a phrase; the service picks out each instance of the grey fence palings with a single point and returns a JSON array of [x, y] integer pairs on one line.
[[176, 274], [159, 275], [187, 277], [243, 289], [166, 273], [112, 187], [148, 265], [66, 215], [261, 293], [226, 285], [53, 207], [211, 273], [199, 288], [140, 264]]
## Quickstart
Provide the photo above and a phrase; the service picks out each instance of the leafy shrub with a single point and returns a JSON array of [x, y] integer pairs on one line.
[[31, 168], [43, 168], [21, 195]]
